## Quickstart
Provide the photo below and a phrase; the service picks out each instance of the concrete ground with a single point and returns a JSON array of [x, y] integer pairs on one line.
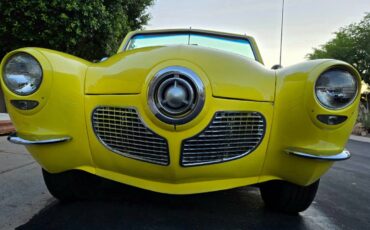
[[342, 202]]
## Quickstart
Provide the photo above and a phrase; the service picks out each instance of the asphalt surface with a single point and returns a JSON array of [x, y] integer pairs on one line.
[[342, 202]]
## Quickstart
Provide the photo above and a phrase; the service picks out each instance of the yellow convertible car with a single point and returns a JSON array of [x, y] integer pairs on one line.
[[182, 112]]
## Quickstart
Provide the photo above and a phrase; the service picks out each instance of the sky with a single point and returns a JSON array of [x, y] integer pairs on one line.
[[307, 23]]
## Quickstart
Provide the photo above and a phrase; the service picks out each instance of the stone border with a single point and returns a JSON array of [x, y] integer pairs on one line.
[[6, 127]]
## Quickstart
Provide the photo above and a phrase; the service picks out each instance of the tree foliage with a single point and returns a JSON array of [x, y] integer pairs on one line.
[[88, 29], [350, 44]]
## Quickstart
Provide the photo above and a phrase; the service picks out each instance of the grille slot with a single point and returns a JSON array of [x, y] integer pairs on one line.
[[122, 131], [229, 136]]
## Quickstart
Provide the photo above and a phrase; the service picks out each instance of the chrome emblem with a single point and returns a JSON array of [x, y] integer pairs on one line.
[[176, 95]]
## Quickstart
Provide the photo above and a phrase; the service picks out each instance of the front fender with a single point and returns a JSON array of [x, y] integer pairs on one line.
[[295, 124], [60, 111]]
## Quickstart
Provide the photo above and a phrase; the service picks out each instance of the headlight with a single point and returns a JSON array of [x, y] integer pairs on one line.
[[22, 74], [336, 88]]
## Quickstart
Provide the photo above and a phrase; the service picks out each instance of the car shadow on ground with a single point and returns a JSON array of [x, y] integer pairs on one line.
[[116, 206]]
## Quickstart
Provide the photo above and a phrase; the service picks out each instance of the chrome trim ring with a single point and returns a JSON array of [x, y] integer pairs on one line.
[[344, 155], [342, 68], [176, 95], [39, 140]]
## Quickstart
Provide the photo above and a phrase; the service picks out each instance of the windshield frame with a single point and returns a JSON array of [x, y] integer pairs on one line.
[[250, 40]]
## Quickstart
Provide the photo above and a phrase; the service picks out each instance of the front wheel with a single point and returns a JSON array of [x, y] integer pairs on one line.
[[68, 186], [287, 197]]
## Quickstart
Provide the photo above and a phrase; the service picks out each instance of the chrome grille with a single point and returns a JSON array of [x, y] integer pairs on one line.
[[229, 136], [122, 131]]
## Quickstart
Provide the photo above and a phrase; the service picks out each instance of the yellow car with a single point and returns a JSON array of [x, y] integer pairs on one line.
[[182, 112]]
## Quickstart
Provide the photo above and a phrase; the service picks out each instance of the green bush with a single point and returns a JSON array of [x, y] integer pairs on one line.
[[351, 44], [88, 29]]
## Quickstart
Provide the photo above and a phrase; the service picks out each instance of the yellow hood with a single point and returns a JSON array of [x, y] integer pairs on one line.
[[230, 76]]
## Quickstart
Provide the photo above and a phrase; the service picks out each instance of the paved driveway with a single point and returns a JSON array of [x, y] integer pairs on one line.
[[343, 202]]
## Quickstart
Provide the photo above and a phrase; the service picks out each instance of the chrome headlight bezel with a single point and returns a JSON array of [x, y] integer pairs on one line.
[[341, 70], [37, 74]]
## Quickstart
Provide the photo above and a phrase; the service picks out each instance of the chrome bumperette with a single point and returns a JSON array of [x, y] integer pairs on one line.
[[121, 130], [37, 140], [176, 95], [229, 136], [344, 155], [103, 59]]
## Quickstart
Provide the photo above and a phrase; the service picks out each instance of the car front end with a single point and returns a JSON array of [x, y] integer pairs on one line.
[[182, 119]]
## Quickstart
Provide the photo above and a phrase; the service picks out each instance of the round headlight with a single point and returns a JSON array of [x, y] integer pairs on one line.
[[336, 88], [22, 74]]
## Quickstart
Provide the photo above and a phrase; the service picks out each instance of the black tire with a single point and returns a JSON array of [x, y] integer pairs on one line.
[[286, 197], [68, 186]]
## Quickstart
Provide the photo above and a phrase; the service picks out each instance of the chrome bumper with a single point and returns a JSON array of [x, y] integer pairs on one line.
[[36, 140], [344, 155]]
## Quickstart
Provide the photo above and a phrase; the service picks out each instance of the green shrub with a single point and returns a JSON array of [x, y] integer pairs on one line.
[[88, 29], [351, 44]]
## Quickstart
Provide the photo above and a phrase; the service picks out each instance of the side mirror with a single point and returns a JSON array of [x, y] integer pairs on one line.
[[277, 66]]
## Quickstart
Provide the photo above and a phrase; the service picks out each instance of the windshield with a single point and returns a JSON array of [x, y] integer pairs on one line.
[[231, 44]]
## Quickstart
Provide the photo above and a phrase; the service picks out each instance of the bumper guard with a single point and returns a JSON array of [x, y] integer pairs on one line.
[[36, 140], [344, 155]]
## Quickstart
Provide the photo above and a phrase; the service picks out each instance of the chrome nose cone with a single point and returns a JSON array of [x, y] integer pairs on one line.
[[176, 96]]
